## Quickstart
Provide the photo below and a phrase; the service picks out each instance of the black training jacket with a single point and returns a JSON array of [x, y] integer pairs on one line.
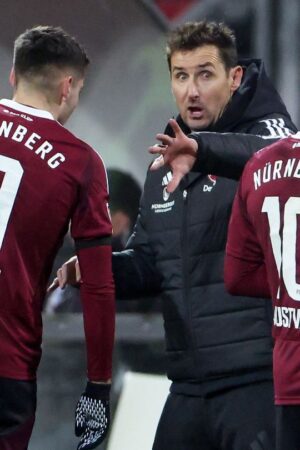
[[213, 340]]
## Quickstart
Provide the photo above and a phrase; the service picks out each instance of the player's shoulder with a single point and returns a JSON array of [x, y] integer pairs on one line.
[[280, 148], [90, 152], [72, 138]]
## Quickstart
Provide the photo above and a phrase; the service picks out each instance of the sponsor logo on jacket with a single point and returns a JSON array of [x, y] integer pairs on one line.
[[212, 180], [163, 207]]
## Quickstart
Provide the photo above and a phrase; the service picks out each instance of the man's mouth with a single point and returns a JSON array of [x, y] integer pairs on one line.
[[195, 112]]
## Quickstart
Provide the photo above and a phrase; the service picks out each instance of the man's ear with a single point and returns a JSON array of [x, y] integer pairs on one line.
[[236, 75], [65, 87], [12, 77]]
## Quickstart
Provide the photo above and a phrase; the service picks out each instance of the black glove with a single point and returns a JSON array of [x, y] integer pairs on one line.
[[92, 415]]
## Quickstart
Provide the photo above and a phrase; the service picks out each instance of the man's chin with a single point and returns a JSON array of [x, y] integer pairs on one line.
[[196, 125]]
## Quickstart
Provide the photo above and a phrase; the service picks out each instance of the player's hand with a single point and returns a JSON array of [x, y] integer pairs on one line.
[[68, 273], [178, 152], [92, 416]]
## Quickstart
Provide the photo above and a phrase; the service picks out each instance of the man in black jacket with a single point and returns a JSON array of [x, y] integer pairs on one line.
[[219, 347]]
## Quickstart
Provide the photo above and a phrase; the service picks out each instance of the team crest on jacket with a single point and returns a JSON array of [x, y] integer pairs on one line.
[[211, 182]]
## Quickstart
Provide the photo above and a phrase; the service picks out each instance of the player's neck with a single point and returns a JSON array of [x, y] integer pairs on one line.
[[33, 99], [37, 103]]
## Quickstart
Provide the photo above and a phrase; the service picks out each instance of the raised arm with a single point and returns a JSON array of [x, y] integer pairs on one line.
[[222, 154]]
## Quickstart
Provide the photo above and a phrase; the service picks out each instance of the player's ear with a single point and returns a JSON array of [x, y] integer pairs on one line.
[[12, 77], [66, 84]]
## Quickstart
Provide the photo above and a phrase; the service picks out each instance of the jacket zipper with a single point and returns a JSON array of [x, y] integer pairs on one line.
[[185, 265]]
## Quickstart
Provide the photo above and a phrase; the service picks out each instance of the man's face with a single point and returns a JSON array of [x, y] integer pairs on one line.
[[71, 100], [201, 86]]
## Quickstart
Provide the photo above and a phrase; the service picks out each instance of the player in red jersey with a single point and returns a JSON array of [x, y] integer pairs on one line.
[[263, 259], [48, 179]]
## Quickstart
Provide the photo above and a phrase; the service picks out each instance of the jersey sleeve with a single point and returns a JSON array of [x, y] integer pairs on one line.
[[245, 271], [91, 230], [98, 305], [91, 218]]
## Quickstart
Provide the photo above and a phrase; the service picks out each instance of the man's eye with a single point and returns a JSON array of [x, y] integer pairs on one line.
[[180, 76], [205, 74]]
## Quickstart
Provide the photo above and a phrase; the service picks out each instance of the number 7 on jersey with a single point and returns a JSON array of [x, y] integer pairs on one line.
[[13, 173]]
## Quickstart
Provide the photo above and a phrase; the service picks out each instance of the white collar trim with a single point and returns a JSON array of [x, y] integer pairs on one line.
[[26, 109]]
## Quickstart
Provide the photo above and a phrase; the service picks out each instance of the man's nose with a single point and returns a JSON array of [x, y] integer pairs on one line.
[[193, 89]]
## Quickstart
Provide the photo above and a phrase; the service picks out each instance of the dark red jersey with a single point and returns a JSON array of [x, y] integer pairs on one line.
[[263, 251], [49, 179]]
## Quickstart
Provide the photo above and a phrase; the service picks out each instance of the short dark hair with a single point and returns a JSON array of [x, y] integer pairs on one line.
[[196, 34], [42, 47], [124, 193]]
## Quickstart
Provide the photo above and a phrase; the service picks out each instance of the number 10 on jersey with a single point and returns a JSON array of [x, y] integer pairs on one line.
[[284, 249]]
